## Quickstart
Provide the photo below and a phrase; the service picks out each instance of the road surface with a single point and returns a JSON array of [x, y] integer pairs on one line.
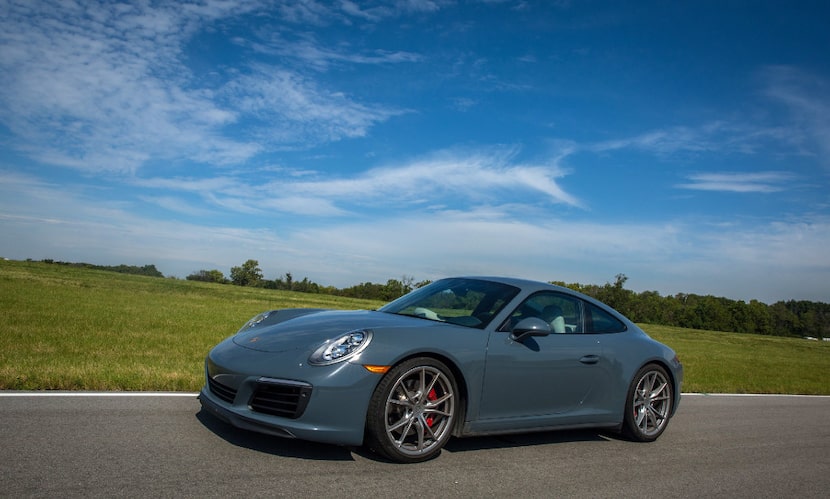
[[105, 445]]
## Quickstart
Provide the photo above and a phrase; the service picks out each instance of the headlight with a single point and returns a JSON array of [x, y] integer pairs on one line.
[[342, 348], [255, 321]]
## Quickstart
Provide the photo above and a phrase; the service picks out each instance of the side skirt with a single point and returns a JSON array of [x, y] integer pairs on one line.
[[468, 432]]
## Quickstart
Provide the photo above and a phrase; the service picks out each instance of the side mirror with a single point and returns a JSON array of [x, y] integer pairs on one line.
[[532, 326]]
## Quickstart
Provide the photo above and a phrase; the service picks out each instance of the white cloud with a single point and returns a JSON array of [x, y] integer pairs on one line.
[[763, 182], [419, 5], [306, 11], [177, 205], [805, 96], [770, 261], [720, 137], [453, 174], [108, 88], [715, 136], [101, 87], [444, 178], [292, 109], [355, 10], [105, 87], [804, 131], [309, 53]]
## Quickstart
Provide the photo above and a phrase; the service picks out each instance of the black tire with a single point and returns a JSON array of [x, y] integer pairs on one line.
[[412, 411], [648, 404]]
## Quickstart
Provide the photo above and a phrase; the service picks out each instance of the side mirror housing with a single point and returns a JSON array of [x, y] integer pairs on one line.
[[531, 326]]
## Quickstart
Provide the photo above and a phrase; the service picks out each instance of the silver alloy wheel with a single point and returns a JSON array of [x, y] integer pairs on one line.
[[651, 403], [419, 411]]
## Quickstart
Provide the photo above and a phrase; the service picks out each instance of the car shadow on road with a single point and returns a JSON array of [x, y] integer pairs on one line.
[[269, 444], [302, 449], [527, 439]]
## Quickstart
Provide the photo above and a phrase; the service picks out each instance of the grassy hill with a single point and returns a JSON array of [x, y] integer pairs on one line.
[[67, 328]]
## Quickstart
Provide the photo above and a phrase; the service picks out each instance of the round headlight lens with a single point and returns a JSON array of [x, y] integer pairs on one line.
[[341, 348]]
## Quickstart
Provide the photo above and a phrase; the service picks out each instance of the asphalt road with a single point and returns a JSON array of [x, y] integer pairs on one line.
[[163, 446]]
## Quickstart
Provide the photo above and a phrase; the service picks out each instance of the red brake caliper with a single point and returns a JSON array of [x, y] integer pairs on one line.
[[431, 396]]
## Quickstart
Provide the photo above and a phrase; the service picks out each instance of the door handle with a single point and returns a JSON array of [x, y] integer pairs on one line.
[[589, 359]]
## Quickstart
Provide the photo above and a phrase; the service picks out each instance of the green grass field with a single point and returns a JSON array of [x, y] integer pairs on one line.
[[67, 328]]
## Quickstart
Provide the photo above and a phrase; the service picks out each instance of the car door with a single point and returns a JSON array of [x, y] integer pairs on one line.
[[540, 380]]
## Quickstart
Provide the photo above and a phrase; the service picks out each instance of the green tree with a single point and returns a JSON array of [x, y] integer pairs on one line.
[[249, 274], [208, 276], [759, 318], [395, 288], [306, 286]]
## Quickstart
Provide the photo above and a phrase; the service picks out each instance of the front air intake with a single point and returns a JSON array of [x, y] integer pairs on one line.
[[283, 398]]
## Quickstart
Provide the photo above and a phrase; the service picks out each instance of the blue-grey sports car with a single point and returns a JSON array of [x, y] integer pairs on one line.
[[459, 357]]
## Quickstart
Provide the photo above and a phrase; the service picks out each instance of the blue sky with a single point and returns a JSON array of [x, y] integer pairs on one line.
[[684, 144]]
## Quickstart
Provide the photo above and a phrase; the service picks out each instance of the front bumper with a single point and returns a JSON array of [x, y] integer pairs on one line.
[[337, 396], [227, 415]]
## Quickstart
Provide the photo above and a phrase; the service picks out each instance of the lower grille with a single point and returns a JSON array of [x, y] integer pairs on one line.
[[284, 398], [224, 392]]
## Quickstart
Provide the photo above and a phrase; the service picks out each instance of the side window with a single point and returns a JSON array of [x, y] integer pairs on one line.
[[600, 321], [563, 313]]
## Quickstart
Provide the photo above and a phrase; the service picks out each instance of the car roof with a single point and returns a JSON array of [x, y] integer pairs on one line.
[[531, 286], [525, 284]]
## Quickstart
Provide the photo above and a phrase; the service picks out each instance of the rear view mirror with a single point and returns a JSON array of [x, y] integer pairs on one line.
[[531, 326]]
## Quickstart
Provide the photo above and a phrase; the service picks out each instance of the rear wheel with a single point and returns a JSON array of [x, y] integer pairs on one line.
[[412, 411], [649, 403]]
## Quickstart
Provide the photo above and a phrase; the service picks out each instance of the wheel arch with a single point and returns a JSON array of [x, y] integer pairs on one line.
[[675, 387], [460, 381]]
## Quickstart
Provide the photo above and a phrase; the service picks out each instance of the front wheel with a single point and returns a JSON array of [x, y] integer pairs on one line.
[[412, 411], [649, 403]]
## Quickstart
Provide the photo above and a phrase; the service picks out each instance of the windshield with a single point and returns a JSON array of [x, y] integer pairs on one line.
[[466, 302]]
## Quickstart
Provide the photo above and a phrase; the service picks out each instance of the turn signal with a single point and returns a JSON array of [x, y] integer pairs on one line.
[[377, 369]]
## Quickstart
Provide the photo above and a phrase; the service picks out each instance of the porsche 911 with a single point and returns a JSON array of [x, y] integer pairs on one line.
[[459, 357]]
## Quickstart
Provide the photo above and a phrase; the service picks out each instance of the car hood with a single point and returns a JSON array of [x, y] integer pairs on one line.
[[313, 329]]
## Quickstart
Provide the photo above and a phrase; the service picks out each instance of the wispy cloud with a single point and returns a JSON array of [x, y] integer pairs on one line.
[[666, 141], [362, 139], [355, 10], [307, 52], [722, 137], [448, 173], [419, 5], [106, 88], [807, 99], [320, 13], [763, 182], [177, 205], [429, 244], [307, 11], [101, 87], [289, 109], [804, 131], [444, 178]]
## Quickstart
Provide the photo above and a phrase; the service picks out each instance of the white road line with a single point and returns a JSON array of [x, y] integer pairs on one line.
[[95, 394], [56, 393], [750, 395]]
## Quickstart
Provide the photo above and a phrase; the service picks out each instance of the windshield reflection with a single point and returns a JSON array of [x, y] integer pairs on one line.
[[462, 301]]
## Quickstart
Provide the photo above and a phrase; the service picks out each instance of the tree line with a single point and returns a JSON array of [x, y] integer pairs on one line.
[[784, 318], [796, 318], [250, 274], [147, 270]]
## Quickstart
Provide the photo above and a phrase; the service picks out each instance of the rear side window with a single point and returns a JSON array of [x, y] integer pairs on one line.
[[600, 321], [563, 313]]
